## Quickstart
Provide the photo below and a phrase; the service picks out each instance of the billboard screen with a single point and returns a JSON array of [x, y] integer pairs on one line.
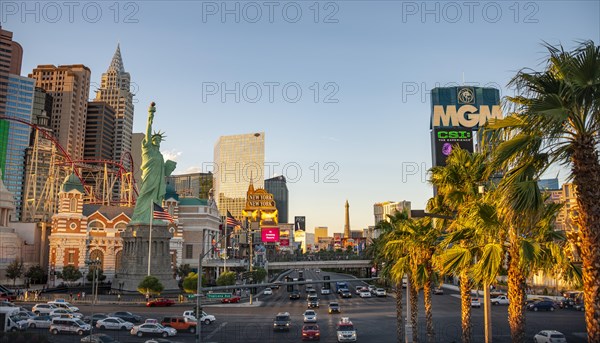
[[269, 234], [300, 223], [284, 237], [445, 139]]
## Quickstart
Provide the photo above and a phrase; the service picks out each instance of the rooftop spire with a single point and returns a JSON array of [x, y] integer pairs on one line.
[[117, 61]]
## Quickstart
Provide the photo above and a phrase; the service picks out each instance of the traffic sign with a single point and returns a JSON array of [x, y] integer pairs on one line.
[[218, 295]]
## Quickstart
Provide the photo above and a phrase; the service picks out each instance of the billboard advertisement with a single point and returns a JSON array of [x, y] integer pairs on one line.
[[445, 139], [284, 237], [300, 223], [269, 234]]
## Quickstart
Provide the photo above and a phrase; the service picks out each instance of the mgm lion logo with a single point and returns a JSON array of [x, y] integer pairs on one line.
[[466, 96]]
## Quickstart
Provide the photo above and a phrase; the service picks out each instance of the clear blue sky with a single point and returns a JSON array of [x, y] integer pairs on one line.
[[378, 59]]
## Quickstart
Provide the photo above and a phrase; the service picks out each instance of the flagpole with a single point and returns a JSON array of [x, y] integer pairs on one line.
[[150, 238]]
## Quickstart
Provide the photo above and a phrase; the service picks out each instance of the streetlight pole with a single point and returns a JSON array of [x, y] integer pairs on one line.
[[487, 302], [199, 292]]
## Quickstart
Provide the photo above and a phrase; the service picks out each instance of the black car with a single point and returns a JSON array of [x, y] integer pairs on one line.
[[127, 316], [294, 295], [313, 302], [94, 318], [346, 294], [98, 338], [541, 305], [282, 321]]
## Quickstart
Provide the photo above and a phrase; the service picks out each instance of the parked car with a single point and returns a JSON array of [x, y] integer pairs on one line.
[[334, 307], [282, 321], [114, 323], [541, 305], [69, 325], [549, 336], [160, 302], [128, 316], [268, 291], [93, 319], [311, 332], [40, 309], [579, 307], [152, 329], [233, 299], [98, 338], [438, 291], [42, 322], [475, 302], [180, 323], [380, 292], [61, 303]]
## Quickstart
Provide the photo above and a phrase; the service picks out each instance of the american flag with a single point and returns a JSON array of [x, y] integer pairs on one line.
[[160, 213], [231, 221]]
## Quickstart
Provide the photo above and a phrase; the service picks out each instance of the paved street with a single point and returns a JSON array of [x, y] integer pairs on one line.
[[374, 318]]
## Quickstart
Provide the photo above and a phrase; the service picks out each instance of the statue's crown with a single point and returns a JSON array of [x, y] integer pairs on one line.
[[160, 135]]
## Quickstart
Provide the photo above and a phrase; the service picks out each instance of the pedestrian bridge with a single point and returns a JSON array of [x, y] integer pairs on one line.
[[293, 264]]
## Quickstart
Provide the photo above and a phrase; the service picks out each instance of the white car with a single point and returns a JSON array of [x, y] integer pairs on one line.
[[61, 312], [42, 322], [41, 309], [268, 291], [475, 302], [206, 318], [380, 292], [114, 323], [64, 304], [325, 291], [152, 329], [549, 336], [310, 316], [364, 294]]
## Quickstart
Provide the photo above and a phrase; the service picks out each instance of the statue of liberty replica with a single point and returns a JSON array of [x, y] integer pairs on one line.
[[146, 239]]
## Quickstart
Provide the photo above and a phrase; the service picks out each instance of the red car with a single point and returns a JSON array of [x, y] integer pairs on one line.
[[233, 299], [160, 302], [311, 332]]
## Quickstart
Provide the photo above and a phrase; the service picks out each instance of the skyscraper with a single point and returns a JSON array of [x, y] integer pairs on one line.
[[99, 131], [193, 184], [238, 160], [19, 105], [69, 86], [10, 63], [115, 90], [278, 187]]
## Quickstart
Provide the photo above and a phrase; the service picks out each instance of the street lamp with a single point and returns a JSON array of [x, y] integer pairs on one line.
[[95, 263]]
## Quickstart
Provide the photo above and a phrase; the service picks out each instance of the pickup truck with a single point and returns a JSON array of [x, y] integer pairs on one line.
[[500, 300]]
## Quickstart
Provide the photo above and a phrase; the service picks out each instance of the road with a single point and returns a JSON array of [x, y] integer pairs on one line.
[[374, 318]]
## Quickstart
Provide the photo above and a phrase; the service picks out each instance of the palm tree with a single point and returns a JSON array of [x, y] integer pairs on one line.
[[559, 109], [458, 182]]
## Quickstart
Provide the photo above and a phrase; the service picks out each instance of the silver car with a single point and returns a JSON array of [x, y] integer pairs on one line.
[[42, 322], [152, 329], [114, 323]]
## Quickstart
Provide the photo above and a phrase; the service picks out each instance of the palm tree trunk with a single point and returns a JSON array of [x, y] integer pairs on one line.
[[586, 177], [516, 290], [399, 318], [428, 311], [414, 310], [465, 304]]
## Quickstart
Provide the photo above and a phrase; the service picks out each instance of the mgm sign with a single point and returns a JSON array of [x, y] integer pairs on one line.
[[456, 115]]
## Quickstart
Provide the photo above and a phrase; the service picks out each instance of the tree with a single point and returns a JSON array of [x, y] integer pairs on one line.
[[226, 279], [36, 274], [14, 270], [190, 283], [70, 274], [150, 285], [96, 272], [183, 270], [558, 109], [259, 275]]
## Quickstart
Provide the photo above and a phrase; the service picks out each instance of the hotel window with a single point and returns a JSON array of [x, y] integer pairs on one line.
[[189, 249], [71, 258], [73, 205]]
